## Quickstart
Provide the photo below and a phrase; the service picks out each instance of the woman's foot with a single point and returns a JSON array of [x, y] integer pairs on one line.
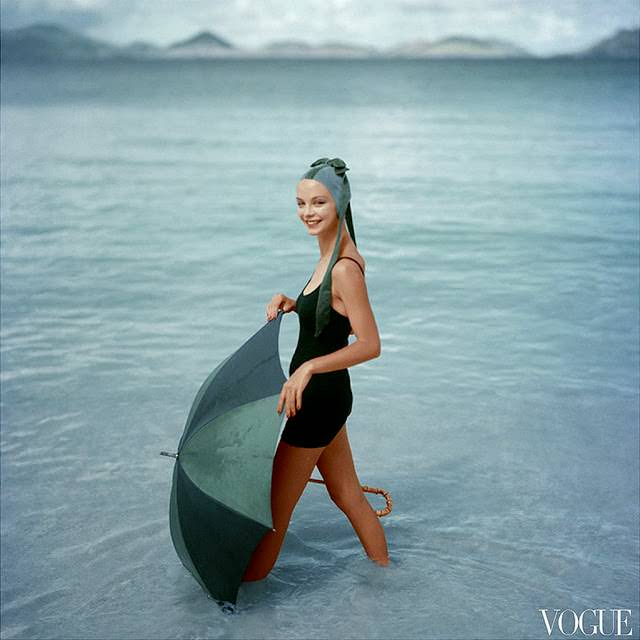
[[383, 562]]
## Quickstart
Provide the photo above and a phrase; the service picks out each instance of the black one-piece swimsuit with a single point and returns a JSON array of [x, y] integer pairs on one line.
[[327, 398]]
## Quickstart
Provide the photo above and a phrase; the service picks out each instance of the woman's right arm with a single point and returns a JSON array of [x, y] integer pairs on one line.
[[279, 301]]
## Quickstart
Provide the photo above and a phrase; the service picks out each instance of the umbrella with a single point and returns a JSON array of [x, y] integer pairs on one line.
[[220, 503]]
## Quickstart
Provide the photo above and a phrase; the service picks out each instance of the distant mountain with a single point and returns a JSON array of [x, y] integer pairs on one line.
[[299, 48], [202, 39], [141, 49], [625, 43], [460, 47], [45, 42], [42, 42], [203, 45]]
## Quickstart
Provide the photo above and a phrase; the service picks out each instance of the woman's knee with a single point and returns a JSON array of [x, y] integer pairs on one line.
[[253, 576], [264, 557], [347, 498]]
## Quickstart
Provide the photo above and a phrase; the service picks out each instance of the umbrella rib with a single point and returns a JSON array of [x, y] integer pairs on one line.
[[226, 506], [238, 381]]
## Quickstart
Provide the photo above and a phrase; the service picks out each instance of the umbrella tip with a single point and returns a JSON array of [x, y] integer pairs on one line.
[[225, 605], [167, 453]]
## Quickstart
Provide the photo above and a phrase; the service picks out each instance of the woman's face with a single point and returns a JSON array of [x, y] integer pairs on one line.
[[316, 207]]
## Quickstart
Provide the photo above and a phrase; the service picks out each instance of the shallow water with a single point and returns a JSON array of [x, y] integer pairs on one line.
[[148, 214]]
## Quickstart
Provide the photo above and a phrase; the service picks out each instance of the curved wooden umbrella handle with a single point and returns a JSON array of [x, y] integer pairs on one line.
[[367, 488]]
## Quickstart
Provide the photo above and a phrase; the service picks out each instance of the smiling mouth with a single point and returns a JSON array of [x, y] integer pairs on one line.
[[310, 223]]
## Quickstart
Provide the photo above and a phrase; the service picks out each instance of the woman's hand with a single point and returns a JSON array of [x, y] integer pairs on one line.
[[279, 301], [291, 394]]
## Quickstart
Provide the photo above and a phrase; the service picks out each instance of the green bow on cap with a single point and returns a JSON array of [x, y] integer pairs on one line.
[[332, 173], [337, 163]]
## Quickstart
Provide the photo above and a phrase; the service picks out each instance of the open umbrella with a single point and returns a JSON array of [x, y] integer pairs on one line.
[[220, 503]]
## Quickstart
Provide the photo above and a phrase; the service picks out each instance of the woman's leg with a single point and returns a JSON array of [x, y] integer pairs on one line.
[[338, 471], [292, 468]]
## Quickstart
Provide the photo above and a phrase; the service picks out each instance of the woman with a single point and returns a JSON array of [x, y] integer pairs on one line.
[[317, 396]]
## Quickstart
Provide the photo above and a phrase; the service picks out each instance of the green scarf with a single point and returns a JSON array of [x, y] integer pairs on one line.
[[332, 173]]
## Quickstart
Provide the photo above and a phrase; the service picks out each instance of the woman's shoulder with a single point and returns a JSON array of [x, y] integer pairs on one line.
[[353, 257]]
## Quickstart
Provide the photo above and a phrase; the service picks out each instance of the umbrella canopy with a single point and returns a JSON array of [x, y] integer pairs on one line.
[[220, 504]]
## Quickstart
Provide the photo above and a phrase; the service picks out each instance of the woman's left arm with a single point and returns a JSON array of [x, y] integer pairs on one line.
[[350, 285], [352, 289]]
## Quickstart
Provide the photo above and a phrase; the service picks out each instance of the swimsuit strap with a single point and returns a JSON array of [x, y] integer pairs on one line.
[[309, 280], [349, 258]]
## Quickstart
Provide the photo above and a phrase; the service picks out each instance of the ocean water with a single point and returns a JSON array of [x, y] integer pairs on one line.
[[148, 215]]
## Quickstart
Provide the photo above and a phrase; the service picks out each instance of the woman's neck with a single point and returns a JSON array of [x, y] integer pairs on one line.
[[326, 245]]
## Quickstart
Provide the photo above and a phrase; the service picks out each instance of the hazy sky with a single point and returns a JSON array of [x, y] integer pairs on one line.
[[541, 26]]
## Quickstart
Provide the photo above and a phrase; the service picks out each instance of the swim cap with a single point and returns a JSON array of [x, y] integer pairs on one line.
[[332, 173]]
